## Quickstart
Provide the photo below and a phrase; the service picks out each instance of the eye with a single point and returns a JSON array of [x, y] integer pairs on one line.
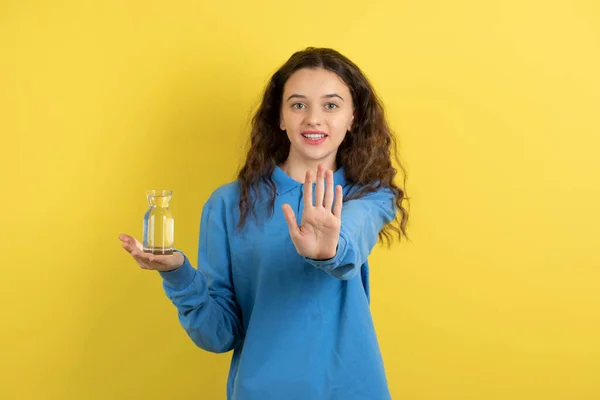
[[298, 106], [331, 106]]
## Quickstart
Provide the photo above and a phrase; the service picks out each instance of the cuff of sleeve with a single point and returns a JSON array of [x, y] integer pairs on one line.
[[181, 277], [334, 262]]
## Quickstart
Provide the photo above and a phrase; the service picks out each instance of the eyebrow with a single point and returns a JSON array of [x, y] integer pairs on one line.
[[327, 96]]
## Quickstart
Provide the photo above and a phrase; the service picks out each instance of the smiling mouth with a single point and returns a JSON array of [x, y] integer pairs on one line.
[[314, 136]]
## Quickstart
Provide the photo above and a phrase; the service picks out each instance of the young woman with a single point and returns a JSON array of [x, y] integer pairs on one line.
[[282, 274]]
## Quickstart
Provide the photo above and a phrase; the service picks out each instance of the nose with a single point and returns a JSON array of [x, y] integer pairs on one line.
[[313, 118]]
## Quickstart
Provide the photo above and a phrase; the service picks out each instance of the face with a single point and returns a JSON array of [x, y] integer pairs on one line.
[[316, 113]]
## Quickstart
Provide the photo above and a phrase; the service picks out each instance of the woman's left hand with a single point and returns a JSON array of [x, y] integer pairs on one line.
[[318, 234]]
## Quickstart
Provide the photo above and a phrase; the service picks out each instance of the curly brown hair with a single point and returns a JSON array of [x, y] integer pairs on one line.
[[365, 153]]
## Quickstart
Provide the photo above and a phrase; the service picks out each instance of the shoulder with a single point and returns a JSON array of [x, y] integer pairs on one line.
[[223, 197], [221, 206], [226, 193]]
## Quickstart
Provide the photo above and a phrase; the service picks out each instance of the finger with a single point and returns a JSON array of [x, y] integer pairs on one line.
[[140, 256], [157, 261], [130, 241], [167, 262], [141, 260], [146, 261], [127, 247], [308, 203], [125, 238], [161, 259], [320, 187], [328, 191], [290, 218], [161, 262], [144, 265], [337, 207]]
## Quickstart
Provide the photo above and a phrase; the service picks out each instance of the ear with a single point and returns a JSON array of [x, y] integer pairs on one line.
[[281, 123], [351, 121]]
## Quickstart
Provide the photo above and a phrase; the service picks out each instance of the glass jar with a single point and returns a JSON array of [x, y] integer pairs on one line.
[[159, 224]]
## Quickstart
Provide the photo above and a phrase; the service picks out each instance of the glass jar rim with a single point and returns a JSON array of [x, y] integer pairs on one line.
[[159, 193]]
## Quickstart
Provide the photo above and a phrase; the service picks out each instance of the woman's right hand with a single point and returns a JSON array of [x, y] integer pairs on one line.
[[150, 261]]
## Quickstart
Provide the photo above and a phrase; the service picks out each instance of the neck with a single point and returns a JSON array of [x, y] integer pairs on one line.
[[296, 168]]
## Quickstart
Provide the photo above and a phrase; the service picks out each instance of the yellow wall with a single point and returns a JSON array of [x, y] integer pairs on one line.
[[496, 104]]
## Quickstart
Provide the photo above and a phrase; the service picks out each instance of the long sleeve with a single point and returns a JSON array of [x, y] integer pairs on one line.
[[362, 220], [204, 297]]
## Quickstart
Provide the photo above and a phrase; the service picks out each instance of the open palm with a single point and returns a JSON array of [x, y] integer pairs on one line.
[[150, 261], [318, 233]]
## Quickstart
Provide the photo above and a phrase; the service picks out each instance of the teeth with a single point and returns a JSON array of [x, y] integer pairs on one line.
[[314, 137]]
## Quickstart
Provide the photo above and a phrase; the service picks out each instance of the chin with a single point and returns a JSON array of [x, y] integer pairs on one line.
[[317, 156]]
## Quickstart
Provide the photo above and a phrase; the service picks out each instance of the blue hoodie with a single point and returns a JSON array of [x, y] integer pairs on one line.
[[300, 329]]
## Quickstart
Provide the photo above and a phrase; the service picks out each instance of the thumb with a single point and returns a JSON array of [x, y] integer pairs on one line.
[[167, 262], [290, 218]]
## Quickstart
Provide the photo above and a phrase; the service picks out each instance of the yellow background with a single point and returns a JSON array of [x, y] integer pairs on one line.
[[496, 105]]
